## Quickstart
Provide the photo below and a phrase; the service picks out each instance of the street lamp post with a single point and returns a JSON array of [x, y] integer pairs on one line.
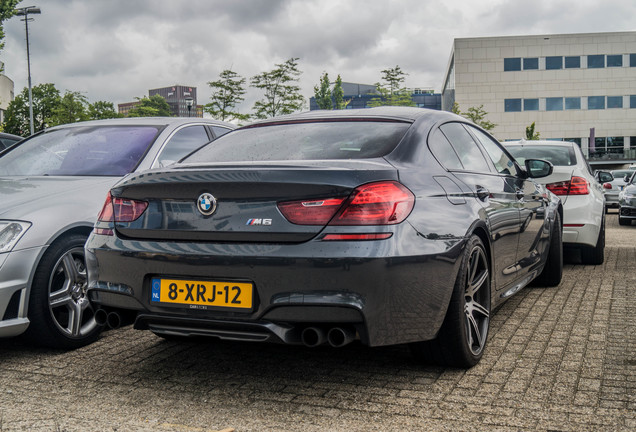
[[25, 11], [189, 102]]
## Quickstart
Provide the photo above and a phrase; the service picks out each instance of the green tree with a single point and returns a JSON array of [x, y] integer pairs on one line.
[[227, 93], [7, 10], [282, 93], [338, 95], [531, 134], [102, 110], [71, 108], [478, 116], [46, 99], [322, 93], [391, 92], [455, 109], [153, 106]]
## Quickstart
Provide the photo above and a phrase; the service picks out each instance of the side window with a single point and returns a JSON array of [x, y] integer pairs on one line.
[[183, 142], [500, 159], [219, 131], [443, 151], [466, 148]]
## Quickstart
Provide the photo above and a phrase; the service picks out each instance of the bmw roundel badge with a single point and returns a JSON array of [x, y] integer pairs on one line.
[[206, 203]]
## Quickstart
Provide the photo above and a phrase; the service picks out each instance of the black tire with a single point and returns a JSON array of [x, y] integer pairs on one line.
[[60, 314], [464, 332], [553, 270], [595, 255]]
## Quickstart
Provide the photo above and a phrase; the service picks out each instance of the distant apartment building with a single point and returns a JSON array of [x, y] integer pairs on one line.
[[6, 93], [360, 95], [124, 108], [577, 87], [179, 98]]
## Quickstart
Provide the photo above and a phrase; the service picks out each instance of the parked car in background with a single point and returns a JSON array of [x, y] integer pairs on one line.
[[582, 196], [611, 188], [52, 186], [385, 225], [7, 140], [627, 201]]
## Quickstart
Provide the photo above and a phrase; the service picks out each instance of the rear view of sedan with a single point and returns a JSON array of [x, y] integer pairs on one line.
[[582, 196], [386, 225]]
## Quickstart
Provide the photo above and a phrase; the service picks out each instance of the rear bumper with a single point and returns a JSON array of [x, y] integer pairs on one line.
[[582, 220], [392, 291]]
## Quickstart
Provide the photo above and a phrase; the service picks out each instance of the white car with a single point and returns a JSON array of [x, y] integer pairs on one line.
[[582, 196]]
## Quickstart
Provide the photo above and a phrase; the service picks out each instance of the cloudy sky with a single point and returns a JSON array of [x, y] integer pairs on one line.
[[116, 50]]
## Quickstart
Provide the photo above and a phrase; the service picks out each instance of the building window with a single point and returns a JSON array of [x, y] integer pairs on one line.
[[632, 101], [554, 104], [512, 105], [530, 63], [572, 103], [596, 102], [574, 140], [531, 104], [554, 63], [595, 61], [573, 62], [615, 145], [632, 142], [512, 64], [632, 60], [615, 60], [615, 102]]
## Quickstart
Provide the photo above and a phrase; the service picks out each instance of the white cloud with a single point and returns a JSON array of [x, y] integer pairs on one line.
[[118, 49]]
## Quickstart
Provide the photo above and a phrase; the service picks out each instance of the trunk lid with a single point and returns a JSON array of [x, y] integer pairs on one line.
[[246, 197]]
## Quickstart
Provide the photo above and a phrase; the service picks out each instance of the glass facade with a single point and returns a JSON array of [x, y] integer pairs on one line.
[[554, 104], [615, 102], [512, 64], [512, 105], [596, 102], [615, 60], [554, 63], [572, 62], [632, 101], [530, 63], [531, 104], [632, 60], [595, 61], [572, 103]]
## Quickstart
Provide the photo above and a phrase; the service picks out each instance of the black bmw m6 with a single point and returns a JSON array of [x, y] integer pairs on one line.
[[383, 225]]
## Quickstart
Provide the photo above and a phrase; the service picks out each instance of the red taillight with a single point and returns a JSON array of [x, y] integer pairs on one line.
[[121, 210], [345, 237], [316, 212], [575, 186], [381, 203], [607, 185]]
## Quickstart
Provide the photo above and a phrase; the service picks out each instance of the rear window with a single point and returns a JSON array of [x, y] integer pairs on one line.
[[557, 155], [80, 151], [305, 141]]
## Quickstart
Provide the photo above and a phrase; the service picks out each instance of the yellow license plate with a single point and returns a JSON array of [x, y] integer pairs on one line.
[[197, 293]]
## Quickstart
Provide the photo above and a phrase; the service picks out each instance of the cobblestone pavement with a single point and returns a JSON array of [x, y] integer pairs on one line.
[[558, 359]]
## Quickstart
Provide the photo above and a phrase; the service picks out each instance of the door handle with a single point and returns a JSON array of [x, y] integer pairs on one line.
[[482, 193]]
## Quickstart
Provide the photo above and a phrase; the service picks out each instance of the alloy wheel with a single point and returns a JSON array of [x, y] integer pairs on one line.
[[477, 301], [69, 306]]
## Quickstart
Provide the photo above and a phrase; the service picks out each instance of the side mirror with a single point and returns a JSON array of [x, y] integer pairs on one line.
[[626, 178], [538, 168]]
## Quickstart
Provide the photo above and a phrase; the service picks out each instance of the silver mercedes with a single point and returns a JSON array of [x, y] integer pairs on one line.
[[52, 186]]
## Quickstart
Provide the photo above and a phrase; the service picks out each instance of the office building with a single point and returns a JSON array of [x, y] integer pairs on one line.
[[579, 87]]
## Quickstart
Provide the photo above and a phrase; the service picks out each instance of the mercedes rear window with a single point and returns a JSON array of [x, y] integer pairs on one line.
[[305, 141], [557, 155], [80, 151]]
